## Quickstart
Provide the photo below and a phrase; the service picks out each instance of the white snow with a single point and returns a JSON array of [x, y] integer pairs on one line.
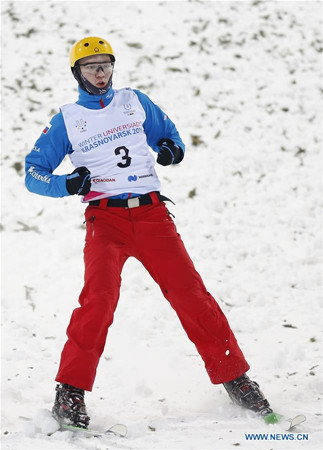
[[242, 82]]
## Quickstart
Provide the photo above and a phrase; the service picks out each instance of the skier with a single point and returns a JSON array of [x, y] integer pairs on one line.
[[108, 135]]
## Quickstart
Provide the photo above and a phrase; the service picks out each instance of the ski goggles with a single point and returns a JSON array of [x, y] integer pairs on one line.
[[93, 68]]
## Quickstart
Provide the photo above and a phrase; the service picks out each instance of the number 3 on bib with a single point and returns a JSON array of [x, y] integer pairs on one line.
[[125, 157]]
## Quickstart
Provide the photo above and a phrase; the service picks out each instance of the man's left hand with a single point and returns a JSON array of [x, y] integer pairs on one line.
[[169, 152]]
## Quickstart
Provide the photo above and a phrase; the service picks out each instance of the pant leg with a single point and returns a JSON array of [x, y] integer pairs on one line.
[[104, 256], [163, 254]]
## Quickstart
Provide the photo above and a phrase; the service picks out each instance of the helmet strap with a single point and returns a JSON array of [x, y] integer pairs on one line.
[[86, 85]]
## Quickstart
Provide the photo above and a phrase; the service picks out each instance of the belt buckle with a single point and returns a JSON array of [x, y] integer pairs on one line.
[[133, 202]]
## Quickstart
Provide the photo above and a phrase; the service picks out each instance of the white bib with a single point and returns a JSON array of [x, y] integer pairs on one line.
[[112, 144]]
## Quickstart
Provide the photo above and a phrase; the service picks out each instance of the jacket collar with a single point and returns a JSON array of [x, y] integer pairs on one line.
[[94, 101]]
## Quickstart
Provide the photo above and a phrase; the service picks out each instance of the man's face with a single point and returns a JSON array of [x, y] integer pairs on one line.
[[96, 69]]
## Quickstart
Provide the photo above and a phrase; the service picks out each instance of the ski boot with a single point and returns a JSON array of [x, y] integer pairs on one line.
[[69, 407], [246, 393]]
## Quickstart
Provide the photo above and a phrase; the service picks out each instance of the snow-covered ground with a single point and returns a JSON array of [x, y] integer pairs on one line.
[[242, 82]]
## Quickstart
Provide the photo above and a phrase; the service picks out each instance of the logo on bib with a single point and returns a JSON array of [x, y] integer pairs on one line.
[[135, 177], [128, 110], [103, 180], [81, 125], [132, 178]]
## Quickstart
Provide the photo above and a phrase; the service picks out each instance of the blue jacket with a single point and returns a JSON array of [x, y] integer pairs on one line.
[[53, 144]]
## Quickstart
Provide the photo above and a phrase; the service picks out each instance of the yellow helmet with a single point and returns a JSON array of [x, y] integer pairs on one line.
[[90, 46]]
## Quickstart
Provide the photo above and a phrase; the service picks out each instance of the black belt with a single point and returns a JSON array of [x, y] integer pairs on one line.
[[134, 202]]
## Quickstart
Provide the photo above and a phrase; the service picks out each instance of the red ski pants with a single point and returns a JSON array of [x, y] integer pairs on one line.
[[147, 233]]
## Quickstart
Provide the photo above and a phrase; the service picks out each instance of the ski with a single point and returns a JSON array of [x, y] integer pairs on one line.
[[278, 418], [117, 430]]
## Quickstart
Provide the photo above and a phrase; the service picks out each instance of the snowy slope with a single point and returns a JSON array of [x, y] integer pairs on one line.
[[242, 82]]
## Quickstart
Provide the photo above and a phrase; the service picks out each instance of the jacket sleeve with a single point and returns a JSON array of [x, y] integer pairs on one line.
[[47, 154], [157, 124]]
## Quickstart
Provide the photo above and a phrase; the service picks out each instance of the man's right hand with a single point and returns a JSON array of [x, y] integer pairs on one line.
[[79, 181]]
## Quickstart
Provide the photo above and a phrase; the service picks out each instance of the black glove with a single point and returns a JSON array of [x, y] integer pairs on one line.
[[79, 181], [169, 153]]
